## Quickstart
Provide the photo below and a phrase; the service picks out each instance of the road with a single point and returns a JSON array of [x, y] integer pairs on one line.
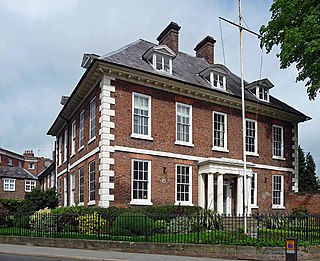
[[10, 252], [5, 257]]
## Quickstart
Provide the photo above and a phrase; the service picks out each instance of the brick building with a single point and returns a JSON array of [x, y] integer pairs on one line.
[[15, 181], [150, 125]]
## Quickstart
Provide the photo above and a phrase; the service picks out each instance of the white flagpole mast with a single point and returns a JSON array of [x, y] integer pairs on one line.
[[245, 196]]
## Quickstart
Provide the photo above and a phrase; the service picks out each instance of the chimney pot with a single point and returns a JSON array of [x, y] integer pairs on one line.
[[170, 37], [205, 49]]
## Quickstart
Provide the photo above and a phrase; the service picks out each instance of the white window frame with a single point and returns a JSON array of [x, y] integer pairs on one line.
[[65, 145], [81, 130], [189, 184], [81, 186], [255, 152], [225, 132], [65, 191], [29, 185], [137, 201], [154, 62], [92, 173], [60, 151], [31, 165], [281, 156], [183, 142], [136, 134], [263, 94], [254, 191], [9, 184], [210, 78], [72, 189], [281, 191], [73, 137], [92, 129]]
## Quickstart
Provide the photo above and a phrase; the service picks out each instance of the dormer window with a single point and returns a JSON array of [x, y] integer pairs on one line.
[[263, 94], [160, 58], [260, 89], [216, 75]]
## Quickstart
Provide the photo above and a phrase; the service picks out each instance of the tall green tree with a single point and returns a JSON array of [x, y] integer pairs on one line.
[[295, 28], [308, 181]]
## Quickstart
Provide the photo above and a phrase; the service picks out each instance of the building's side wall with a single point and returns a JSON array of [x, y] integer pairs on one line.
[[309, 200], [19, 192]]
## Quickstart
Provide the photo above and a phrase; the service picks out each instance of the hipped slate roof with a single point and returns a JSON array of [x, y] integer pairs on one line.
[[15, 172], [186, 68]]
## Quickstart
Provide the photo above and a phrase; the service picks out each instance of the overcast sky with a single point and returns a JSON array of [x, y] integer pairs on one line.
[[42, 43]]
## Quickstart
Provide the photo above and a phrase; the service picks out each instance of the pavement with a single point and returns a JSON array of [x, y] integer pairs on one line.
[[92, 255]]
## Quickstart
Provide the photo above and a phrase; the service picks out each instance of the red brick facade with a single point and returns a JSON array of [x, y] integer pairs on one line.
[[310, 200], [121, 157]]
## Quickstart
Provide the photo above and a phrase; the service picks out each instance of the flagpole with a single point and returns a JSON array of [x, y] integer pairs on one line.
[[245, 199]]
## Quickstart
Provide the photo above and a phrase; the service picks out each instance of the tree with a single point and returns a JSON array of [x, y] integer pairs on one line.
[[295, 27], [308, 181], [40, 199]]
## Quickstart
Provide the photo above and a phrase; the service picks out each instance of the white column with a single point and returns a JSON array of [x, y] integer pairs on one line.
[[240, 195], [220, 193], [201, 191], [210, 191], [105, 138], [249, 178]]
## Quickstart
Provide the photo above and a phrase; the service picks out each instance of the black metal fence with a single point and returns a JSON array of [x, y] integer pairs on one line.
[[204, 227]]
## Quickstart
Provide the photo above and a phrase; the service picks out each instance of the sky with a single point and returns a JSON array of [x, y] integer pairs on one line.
[[42, 43]]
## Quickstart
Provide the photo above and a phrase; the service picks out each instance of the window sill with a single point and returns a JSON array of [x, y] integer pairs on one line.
[[254, 206], [8, 190], [182, 143], [220, 149], [72, 155], [183, 203], [81, 204], [142, 137], [253, 154], [91, 203], [81, 148], [278, 158], [91, 140], [142, 203], [278, 207]]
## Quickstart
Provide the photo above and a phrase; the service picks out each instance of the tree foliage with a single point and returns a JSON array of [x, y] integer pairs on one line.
[[295, 28], [40, 199], [308, 181]]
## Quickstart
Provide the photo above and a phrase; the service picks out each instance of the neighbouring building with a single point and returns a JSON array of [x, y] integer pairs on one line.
[[15, 181], [150, 125], [35, 165]]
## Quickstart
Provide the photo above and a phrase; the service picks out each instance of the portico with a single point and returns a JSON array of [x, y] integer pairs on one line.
[[221, 186]]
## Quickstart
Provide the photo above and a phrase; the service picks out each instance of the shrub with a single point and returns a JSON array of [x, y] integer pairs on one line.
[[300, 211], [43, 221], [180, 224], [39, 199], [207, 219], [128, 224], [160, 226], [91, 223], [10, 204]]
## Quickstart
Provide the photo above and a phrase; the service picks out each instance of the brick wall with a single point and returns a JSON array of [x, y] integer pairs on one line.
[[19, 190], [310, 200]]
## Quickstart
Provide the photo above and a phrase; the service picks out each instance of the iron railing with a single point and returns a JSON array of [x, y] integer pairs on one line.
[[201, 228]]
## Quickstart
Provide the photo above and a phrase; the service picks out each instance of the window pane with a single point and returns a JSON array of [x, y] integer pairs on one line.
[[183, 183], [183, 123], [140, 179], [141, 115]]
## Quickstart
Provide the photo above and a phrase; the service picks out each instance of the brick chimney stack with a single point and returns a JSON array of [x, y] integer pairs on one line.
[[205, 49], [170, 37], [28, 153]]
